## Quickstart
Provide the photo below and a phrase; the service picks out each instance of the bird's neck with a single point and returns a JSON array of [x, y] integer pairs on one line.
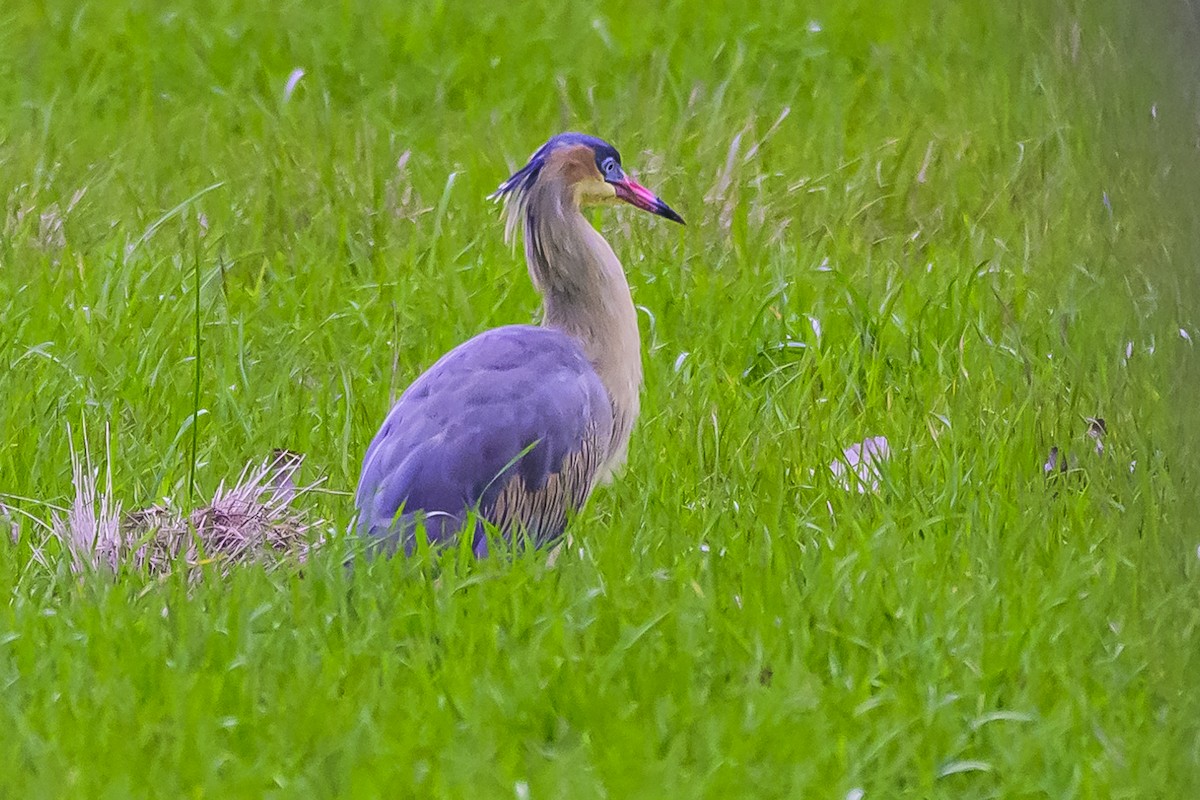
[[587, 296]]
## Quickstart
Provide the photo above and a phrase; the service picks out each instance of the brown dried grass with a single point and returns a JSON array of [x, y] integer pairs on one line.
[[255, 520]]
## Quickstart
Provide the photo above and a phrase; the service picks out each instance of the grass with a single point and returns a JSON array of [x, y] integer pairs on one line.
[[965, 227]]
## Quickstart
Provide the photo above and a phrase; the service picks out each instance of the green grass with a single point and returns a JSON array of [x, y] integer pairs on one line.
[[975, 203]]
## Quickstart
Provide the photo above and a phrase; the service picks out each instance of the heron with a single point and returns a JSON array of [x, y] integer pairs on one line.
[[516, 426]]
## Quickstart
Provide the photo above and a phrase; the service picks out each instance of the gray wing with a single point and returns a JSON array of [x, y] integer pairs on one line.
[[513, 423]]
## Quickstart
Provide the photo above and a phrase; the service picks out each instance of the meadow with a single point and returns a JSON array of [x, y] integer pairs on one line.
[[228, 227]]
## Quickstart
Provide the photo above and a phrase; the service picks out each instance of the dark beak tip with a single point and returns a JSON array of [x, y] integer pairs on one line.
[[670, 214], [665, 211]]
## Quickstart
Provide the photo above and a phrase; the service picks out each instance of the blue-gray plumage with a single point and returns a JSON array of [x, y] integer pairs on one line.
[[518, 424]]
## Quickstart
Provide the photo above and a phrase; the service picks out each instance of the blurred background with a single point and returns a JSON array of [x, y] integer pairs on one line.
[[349, 141]]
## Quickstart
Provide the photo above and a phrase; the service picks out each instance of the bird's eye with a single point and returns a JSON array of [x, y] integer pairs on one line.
[[610, 167]]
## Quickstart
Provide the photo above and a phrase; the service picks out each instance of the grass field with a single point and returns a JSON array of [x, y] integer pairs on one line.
[[966, 227]]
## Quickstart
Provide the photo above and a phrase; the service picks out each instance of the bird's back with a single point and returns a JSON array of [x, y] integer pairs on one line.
[[514, 424]]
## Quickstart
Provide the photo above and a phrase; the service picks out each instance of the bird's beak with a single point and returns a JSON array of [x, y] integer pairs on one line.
[[635, 194]]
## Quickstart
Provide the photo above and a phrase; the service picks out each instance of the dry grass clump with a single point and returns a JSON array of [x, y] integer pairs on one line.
[[254, 520]]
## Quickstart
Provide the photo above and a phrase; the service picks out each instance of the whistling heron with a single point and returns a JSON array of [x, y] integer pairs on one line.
[[518, 424]]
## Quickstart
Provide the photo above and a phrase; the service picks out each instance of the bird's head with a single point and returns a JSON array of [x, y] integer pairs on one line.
[[590, 168]]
